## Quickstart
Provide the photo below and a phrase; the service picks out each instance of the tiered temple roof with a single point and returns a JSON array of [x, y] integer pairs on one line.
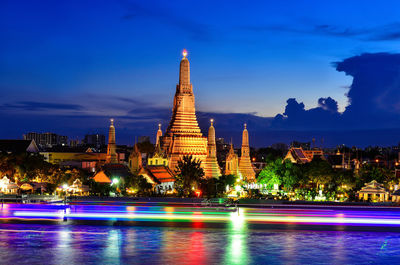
[[245, 166], [211, 167], [183, 135], [111, 148]]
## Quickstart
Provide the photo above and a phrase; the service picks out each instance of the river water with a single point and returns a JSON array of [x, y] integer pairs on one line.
[[88, 244], [37, 241]]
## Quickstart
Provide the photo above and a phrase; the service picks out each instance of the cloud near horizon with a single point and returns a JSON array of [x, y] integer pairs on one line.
[[374, 98]]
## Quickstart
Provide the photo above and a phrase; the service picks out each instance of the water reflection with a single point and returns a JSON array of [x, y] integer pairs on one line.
[[112, 250], [236, 252]]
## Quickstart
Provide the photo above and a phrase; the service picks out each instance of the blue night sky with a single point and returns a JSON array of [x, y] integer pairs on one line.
[[293, 70]]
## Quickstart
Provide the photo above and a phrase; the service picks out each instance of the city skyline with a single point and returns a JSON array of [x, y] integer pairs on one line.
[[85, 68]]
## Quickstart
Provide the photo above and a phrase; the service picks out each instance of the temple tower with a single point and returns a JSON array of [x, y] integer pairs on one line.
[[231, 164], [159, 135], [135, 160], [183, 135], [111, 157], [245, 166], [211, 167]]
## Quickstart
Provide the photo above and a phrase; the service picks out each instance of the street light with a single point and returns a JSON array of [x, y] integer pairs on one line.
[[115, 181]]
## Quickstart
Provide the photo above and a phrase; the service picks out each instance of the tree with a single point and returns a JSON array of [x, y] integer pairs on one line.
[[319, 172], [368, 173], [271, 174], [291, 175], [189, 174]]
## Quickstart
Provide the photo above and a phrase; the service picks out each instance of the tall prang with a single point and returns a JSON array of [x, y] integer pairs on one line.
[[183, 135], [159, 135], [245, 166], [211, 167], [111, 157], [231, 162]]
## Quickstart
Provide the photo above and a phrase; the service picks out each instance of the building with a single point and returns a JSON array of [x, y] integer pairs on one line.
[[18, 146], [112, 157], [95, 140], [373, 191], [211, 167], [81, 157], [142, 139], [47, 139], [232, 163], [245, 166], [110, 173], [135, 160], [158, 135], [183, 135], [300, 156], [160, 176]]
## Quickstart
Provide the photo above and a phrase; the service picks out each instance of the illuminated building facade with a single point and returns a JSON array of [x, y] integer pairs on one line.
[[111, 157], [245, 166], [211, 167], [232, 163], [183, 135]]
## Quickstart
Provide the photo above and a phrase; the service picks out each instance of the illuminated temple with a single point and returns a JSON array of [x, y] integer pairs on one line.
[[111, 157], [245, 166], [183, 135]]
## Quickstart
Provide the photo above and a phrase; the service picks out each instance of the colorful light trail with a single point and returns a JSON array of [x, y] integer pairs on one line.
[[347, 217]]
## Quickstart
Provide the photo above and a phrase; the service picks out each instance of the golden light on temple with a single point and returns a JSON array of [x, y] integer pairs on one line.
[[184, 53]]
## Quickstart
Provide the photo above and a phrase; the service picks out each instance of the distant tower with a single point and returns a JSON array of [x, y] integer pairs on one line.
[[111, 157], [135, 159], [211, 167], [231, 164], [159, 135], [245, 166], [183, 135]]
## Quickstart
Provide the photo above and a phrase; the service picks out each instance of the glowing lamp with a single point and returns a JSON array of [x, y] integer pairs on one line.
[[115, 181], [65, 186], [184, 53]]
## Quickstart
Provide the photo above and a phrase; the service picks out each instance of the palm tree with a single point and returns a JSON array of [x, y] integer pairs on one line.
[[188, 174]]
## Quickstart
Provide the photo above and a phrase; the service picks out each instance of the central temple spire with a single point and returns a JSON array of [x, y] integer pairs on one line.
[[184, 74], [183, 135]]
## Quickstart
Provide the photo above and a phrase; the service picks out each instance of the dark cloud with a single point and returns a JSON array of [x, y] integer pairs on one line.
[[328, 104], [325, 116], [41, 106], [374, 98]]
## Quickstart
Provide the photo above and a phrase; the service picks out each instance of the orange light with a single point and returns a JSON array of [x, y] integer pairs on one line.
[[184, 53], [198, 193], [377, 160], [254, 159]]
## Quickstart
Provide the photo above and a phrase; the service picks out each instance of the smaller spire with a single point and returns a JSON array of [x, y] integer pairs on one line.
[[112, 121], [184, 53], [212, 122], [159, 126], [245, 126]]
